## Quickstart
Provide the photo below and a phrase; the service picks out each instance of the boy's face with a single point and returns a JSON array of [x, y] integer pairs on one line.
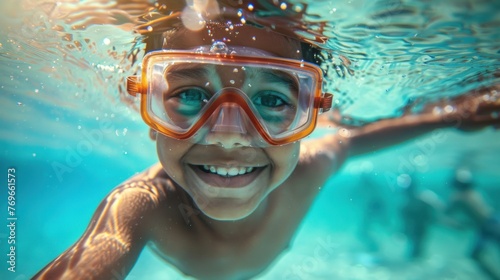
[[226, 177]]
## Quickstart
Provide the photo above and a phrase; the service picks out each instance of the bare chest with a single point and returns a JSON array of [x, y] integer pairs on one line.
[[239, 253]]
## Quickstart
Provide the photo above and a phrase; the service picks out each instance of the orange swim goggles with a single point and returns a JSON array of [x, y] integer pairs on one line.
[[268, 100]]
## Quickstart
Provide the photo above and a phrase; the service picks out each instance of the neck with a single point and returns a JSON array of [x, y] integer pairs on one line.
[[247, 226]]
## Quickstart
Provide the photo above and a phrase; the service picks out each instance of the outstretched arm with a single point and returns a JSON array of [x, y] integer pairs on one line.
[[113, 240], [471, 111]]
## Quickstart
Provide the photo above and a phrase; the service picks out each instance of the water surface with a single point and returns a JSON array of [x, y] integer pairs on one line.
[[71, 138]]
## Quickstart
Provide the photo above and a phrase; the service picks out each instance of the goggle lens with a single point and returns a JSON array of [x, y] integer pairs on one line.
[[183, 91]]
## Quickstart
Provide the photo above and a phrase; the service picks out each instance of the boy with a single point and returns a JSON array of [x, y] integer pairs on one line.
[[417, 214], [228, 106], [466, 199]]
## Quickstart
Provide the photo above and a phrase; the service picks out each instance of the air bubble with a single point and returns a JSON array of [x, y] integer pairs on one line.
[[123, 132], [449, 108], [437, 111], [192, 19], [219, 47], [298, 8]]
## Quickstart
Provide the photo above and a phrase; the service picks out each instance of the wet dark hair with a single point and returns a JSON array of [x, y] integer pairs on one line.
[[310, 53], [157, 25]]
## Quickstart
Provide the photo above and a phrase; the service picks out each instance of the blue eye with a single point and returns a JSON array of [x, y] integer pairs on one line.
[[192, 96], [190, 100], [270, 99], [274, 106]]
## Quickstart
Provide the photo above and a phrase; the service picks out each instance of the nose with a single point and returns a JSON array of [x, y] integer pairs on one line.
[[229, 127]]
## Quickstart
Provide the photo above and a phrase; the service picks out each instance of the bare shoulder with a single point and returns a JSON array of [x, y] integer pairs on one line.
[[324, 154], [319, 159], [135, 197], [328, 150], [116, 228], [151, 184], [150, 197]]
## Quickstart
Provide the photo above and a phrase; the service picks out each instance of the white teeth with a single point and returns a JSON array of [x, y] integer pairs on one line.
[[222, 171], [227, 172], [233, 171]]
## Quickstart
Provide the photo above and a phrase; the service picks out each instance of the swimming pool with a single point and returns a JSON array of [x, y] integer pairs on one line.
[[71, 140]]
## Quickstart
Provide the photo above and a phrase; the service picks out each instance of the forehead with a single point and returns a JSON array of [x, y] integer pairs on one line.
[[237, 35], [186, 71]]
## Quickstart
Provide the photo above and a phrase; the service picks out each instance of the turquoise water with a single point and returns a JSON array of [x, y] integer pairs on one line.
[[71, 139]]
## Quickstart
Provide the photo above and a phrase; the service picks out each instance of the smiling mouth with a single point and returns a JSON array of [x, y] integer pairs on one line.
[[227, 177], [227, 172]]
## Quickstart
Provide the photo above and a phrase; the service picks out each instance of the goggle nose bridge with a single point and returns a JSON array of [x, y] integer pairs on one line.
[[228, 118]]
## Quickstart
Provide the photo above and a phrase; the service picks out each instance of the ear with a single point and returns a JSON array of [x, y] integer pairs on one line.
[[152, 134]]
